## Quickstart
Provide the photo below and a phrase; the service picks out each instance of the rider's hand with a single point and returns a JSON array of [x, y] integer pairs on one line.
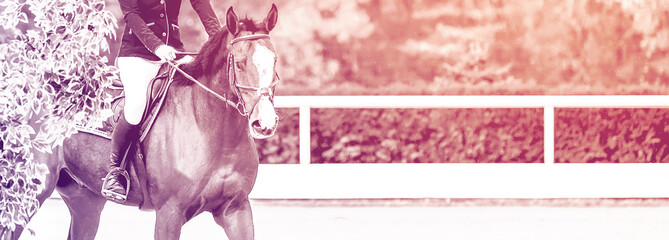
[[166, 53]]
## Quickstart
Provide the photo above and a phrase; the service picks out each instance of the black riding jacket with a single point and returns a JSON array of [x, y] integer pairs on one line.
[[151, 23]]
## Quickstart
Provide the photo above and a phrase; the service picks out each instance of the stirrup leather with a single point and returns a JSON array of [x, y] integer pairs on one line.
[[111, 195]]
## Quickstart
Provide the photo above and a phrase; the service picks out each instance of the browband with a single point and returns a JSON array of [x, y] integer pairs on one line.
[[248, 38]]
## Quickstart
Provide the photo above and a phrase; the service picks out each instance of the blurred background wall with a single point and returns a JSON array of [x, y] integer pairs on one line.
[[460, 47]]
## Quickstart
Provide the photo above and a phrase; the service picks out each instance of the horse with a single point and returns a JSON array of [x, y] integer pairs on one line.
[[200, 154]]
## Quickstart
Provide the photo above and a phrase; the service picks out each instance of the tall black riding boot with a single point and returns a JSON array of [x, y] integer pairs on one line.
[[122, 136]]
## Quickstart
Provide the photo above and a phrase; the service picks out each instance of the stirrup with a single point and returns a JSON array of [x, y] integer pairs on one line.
[[111, 195]]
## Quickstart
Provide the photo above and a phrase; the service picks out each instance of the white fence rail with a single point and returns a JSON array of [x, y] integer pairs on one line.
[[457, 180]]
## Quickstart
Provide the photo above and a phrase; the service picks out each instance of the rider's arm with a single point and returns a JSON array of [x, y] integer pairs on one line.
[[131, 12], [207, 16]]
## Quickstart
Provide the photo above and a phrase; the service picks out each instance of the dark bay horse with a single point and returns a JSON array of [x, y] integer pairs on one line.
[[200, 154]]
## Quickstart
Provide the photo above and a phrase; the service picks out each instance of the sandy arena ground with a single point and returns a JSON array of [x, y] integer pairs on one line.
[[396, 219]]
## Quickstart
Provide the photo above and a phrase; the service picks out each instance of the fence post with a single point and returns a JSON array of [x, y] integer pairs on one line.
[[305, 135]]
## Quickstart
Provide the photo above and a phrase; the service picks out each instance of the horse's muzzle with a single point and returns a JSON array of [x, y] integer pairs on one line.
[[263, 120]]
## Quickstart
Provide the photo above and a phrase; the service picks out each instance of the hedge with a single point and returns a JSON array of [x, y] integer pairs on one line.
[[283, 147], [618, 135], [427, 135], [472, 135], [411, 136]]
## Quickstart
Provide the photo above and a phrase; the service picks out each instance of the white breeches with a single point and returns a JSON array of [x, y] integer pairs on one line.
[[136, 73]]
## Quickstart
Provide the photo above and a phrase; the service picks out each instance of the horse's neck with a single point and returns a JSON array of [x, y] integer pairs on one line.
[[208, 114]]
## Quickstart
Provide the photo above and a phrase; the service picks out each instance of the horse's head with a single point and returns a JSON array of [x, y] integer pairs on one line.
[[252, 73]]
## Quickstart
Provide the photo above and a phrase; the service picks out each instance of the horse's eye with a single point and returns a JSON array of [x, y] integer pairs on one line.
[[239, 65]]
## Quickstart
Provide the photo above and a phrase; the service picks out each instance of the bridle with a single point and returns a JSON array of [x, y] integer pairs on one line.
[[263, 92]]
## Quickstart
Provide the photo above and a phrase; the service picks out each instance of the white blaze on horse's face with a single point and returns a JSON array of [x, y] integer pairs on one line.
[[263, 120], [264, 60]]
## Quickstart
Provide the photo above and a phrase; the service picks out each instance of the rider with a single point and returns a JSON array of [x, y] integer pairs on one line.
[[150, 38]]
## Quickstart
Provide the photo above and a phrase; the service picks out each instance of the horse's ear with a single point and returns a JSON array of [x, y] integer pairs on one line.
[[231, 21], [272, 17]]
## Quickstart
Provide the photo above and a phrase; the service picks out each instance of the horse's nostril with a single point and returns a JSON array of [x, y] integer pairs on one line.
[[256, 124], [260, 131]]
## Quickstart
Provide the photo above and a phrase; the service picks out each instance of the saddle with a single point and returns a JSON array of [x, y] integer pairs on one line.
[[156, 93]]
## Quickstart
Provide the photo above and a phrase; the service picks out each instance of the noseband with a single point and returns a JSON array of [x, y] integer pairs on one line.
[[263, 92]]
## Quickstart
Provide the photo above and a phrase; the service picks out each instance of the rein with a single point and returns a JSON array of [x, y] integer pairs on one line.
[[189, 77], [264, 92]]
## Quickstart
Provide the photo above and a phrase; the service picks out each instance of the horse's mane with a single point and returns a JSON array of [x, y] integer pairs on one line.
[[209, 59]]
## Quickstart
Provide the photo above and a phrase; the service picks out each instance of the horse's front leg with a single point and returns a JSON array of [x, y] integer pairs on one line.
[[236, 218], [169, 220], [85, 208]]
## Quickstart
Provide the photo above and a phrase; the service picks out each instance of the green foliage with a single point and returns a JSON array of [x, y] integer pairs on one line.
[[410, 136], [463, 47], [473, 135], [651, 22], [309, 32], [472, 47], [612, 135], [427, 135], [52, 77], [283, 147]]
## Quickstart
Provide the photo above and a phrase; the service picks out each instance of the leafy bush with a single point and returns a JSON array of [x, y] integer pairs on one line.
[[462, 47], [611, 135], [427, 135], [479, 47], [52, 77], [283, 147], [473, 135]]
